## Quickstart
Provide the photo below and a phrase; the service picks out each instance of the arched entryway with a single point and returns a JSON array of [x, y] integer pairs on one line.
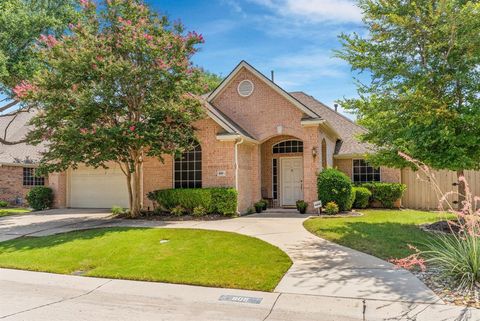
[[282, 171]]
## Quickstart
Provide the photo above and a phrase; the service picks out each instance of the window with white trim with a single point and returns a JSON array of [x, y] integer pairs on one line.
[[364, 173], [188, 169], [288, 146], [30, 178]]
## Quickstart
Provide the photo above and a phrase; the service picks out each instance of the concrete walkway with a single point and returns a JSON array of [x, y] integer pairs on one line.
[[325, 279], [319, 267]]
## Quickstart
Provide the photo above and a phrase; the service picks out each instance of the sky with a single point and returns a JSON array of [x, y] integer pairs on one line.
[[295, 38]]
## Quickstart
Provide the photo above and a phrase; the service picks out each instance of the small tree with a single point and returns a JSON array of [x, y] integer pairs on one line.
[[423, 57], [115, 88]]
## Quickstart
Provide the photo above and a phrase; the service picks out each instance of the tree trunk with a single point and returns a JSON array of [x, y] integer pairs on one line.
[[461, 189], [136, 191], [134, 187]]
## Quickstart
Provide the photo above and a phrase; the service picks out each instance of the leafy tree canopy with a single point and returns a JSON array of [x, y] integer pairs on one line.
[[21, 24], [423, 98], [115, 88]]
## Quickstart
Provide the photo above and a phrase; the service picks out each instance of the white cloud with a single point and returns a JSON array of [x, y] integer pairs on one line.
[[296, 70], [335, 11]]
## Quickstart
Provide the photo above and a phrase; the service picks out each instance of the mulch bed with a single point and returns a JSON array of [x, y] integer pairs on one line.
[[441, 227], [446, 289], [168, 217], [342, 214]]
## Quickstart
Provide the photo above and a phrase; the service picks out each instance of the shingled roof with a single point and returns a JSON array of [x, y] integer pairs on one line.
[[21, 154], [347, 129]]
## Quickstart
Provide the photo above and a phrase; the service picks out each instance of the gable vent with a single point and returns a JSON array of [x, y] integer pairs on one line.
[[245, 88]]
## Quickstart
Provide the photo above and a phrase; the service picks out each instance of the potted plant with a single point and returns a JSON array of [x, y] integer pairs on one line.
[[265, 204], [259, 207], [302, 206]]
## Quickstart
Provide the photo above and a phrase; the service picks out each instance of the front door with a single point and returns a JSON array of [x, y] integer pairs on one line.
[[291, 180]]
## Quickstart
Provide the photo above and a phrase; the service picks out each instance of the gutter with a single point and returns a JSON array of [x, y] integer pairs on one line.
[[18, 165], [238, 142]]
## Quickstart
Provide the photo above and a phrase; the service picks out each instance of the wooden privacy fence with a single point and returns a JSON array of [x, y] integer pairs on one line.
[[421, 194]]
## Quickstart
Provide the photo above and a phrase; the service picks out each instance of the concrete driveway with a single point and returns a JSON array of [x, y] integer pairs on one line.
[[325, 279]]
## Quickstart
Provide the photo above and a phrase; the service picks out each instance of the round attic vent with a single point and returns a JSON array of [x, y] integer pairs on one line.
[[245, 88]]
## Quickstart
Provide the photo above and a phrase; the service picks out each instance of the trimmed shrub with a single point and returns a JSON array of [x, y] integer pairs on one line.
[[224, 200], [213, 200], [3, 203], [40, 198], [335, 186], [331, 208], [362, 197], [385, 193]]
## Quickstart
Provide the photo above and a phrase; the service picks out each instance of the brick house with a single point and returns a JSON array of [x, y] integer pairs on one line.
[[258, 138]]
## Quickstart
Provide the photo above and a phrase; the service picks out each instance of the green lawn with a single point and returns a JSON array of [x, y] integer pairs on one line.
[[190, 256], [12, 211], [382, 233]]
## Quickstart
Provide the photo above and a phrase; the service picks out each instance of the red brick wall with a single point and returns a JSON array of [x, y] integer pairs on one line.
[[216, 156], [11, 183]]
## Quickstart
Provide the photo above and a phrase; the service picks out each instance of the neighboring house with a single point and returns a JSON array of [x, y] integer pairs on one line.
[[258, 138]]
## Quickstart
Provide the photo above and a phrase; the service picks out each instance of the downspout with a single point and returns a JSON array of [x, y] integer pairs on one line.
[[236, 168]]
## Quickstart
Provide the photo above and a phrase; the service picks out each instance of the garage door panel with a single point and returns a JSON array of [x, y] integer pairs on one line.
[[98, 188]]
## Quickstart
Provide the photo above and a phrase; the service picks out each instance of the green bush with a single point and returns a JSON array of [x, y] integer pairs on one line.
[[331, 208], [199, 211], [258, 206], [118, 210], [177, 211], [213, 200], [335, 186], [385, 193], [362, 197], [3, 203], [40, 198]]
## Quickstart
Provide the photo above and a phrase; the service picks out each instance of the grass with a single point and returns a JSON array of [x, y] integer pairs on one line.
[[199, 257], [13, 211], [381, 233]]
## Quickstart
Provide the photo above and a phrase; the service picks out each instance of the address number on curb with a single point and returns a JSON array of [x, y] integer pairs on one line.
[[240, 299]]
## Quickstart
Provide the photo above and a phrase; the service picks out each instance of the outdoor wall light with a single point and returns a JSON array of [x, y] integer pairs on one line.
[[314, 152]]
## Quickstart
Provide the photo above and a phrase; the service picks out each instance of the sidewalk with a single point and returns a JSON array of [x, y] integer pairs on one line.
[[50, 297]]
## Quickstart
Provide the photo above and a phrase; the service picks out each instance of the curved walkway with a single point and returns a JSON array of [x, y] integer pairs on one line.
[[319, 267]]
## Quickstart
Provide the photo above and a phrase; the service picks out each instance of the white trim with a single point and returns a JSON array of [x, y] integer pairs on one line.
[[280, 174], [239, 142], [380, 169], [312, 122], [245, 81], [275, 87], [234, 137], [18, 165], [350, 156]]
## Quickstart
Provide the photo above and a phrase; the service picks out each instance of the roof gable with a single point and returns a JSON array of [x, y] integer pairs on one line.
[[244, 65]]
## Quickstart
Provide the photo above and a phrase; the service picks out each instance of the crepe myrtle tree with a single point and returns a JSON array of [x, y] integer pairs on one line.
[[21, 23], [423, 95], [115, 88]]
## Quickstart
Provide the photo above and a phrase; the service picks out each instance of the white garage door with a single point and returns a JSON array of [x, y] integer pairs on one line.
[[98, 188]]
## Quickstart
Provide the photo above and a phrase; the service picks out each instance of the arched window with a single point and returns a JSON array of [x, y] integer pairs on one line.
[[188, 169], [324, 154], [288, 146]]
